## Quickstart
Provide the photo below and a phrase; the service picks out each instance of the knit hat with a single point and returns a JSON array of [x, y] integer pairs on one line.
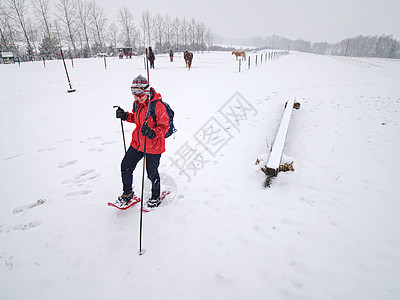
[[140, 85]]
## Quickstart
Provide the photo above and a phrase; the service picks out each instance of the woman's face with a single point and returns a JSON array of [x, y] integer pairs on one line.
[[142, 98]]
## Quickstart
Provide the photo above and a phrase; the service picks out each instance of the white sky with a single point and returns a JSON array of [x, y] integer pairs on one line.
[[313, 20]]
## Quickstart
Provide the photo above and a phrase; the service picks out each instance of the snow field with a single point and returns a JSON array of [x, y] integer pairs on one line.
[[328, 230]]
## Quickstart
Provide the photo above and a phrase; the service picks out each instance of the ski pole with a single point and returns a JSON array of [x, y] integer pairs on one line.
[[122, 128], [71, 90], [141, 204], [148, 73]]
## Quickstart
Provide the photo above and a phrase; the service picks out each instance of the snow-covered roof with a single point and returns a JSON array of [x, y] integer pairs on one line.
[[7, 54]]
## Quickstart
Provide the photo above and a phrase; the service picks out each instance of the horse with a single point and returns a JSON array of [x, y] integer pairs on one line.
[[239, 54], [188, 56]]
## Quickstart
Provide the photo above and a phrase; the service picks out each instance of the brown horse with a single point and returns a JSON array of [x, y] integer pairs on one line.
[[188, 56], [239, 54]]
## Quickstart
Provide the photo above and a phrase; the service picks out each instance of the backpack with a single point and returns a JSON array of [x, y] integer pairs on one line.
[[151, 112]]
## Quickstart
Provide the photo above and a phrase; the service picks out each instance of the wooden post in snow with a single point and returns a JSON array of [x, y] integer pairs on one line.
[[277, 150]]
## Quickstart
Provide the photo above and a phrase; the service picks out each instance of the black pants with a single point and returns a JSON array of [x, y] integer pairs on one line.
[[128, 165]]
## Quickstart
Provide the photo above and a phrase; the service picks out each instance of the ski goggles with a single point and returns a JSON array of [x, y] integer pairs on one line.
[[137, 91]]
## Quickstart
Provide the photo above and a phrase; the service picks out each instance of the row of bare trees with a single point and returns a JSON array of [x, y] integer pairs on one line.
[[39, 28]]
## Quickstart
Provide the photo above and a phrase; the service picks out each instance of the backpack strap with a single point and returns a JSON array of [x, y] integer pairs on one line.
[[152, 111]]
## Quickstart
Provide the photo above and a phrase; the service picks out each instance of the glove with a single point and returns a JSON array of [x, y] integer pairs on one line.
[[121, 114], [147, 131]]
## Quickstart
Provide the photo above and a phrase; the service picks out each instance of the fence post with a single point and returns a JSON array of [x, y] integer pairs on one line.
[[105, 63], [249, 63], [256, 60], [240, 64], [44, 62]]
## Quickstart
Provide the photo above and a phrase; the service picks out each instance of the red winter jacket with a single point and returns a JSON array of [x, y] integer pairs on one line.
[[156, 145]]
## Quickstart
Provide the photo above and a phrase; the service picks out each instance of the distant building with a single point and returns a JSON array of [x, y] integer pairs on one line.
[[7, 57]]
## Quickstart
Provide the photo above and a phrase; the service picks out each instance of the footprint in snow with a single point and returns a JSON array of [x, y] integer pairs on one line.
[[13, 156], [95, 138], [108, 143], [28, 206], [82, 177], [67, 163], [78, 193], [64, 141], [47, 149], [84, 173], [96, 149], [28, 225]]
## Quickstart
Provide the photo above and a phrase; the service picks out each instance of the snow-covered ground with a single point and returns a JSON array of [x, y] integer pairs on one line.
[[328, 230]]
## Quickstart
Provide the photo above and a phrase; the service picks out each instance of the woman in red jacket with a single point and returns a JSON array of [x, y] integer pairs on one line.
[[148, 137]]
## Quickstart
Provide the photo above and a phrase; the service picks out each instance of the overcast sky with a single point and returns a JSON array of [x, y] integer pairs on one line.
[[312, 20]]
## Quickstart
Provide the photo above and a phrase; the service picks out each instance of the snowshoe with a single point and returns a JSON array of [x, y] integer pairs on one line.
[[125, 201]]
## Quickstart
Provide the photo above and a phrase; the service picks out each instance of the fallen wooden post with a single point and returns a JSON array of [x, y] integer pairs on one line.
[[274, 161]]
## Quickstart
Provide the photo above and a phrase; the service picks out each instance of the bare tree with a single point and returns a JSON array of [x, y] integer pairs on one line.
[[159, 30], [143, 25], [147, 26], [5, 43], [209, 37], [176, 25], [184, 32], [18, 12], [83, 10], [42, 10], [200, 34], [33, 35], [11, 34], [7, 33], [125, 19], [57, 31], [67, 16], [192, 31], [113, 34], [168, 31], [98, 22]]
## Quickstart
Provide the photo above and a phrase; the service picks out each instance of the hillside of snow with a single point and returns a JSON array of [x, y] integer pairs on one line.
[[328, 230]]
